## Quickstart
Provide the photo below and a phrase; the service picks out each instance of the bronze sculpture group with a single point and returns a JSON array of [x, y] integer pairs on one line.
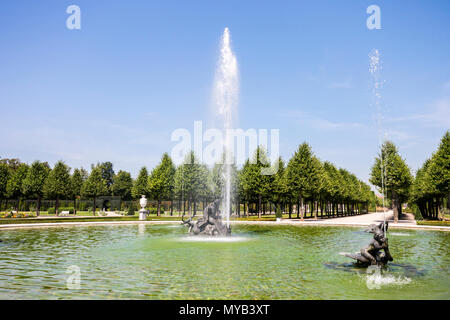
[[377, 251], [210, 224]]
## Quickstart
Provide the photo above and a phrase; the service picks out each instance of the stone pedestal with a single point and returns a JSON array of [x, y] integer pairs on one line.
[[143, 214]]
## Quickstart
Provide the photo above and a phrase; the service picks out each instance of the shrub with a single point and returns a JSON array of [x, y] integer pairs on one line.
[[152, 210], [51, 210], [130, 211], [278, 213], [415, 210]]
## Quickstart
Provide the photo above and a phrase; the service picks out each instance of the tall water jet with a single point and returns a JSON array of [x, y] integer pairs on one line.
[[375, 67], [226, 96]]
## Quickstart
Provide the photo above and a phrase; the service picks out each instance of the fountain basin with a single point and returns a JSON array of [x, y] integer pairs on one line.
[[268, 262]]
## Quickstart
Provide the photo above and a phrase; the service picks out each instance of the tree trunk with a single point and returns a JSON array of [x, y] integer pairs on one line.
[[93, 209], [259, 206], [38, 207], [171, 207], [300, 208], [395, 206], [317, 209], [57, 207], [195, 207], [75, 206], [158, 212]]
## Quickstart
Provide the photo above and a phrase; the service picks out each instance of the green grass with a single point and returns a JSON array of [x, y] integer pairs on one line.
[[81, 219], [434, 223], [65, 219]]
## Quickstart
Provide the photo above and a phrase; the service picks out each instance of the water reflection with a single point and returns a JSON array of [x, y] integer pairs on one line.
[[268, 262]]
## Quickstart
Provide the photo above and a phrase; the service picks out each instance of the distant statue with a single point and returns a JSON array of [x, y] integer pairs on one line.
[[210, 224], [377, 251]]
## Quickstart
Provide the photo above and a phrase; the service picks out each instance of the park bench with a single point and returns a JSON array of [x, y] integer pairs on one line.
[[64, 213]]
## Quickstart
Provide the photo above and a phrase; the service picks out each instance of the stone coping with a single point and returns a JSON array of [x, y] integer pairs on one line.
[[267, 223]]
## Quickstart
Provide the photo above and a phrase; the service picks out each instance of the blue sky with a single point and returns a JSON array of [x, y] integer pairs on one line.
[[137, 70]]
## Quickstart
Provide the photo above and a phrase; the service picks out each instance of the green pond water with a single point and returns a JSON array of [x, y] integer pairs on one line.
[[257, 262]]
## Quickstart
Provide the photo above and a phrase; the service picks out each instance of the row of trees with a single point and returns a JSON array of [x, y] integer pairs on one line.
[[431, 188], [303, 185], [428, 193], [38, 181]]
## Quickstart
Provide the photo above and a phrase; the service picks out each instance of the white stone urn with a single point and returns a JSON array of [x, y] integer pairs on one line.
[[143, 213], [143, 202]]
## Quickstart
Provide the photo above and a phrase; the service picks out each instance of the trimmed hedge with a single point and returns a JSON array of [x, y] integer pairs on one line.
[[155, 210]]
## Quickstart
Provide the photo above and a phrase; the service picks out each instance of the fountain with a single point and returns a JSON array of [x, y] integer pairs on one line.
[[226, 89]]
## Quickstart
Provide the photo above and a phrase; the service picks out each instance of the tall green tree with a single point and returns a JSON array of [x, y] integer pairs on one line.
[[34, 182], [162, 180], [439, 173], [123, 183], [333, 186], [140, 184], [78, 178], [392, 172], [107, 175], [280, 191], [94, 186], [430, 189], [303, 175], [4, 177], [14, 186], [217, 184], [58, 184], [191, 181], [256, 185]]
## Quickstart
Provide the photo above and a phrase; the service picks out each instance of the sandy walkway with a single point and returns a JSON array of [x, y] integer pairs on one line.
[[369, 218], [353, 221]]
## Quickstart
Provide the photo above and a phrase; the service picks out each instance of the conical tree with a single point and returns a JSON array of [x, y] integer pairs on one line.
[[161, 181], [4, 177], [33, 184], [303, 175], [391, 171], [94, 186], [78, 178], [191, 181], [280, 192], [257, 185], [123, 184], [14, 187], [58, 184], [140, 186]]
